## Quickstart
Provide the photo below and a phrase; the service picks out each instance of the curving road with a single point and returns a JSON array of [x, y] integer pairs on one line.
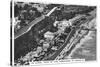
[[28, 27]]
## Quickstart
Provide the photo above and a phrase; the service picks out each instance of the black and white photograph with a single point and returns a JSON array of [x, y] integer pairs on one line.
[[43, 32]]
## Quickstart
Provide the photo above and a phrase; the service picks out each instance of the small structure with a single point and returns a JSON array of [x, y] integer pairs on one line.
[[49, 35], [54, 48], [39, 49], [55, 23]]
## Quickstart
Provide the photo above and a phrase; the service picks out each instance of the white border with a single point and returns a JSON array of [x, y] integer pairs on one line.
[[5, 30], [68, 2]]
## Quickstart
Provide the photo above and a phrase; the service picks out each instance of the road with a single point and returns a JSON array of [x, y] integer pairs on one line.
[[28, 27]]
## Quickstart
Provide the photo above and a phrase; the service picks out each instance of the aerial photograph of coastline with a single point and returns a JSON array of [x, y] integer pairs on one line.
[[48, 32]]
